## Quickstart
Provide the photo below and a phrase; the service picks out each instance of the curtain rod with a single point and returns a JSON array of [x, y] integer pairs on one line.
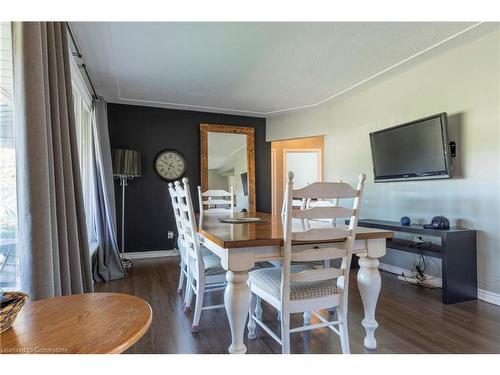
[[80, 56], [84, 67], [77, 54]]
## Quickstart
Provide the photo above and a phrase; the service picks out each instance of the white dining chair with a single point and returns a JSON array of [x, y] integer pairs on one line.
[[302, 204], [215, 202], [180, 238], [298, 289], [204, 273]]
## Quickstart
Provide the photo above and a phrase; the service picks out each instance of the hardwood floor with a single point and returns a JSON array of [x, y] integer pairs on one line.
[[411, 319]]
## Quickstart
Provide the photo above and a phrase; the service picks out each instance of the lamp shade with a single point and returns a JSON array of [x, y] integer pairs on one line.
[[126, 162]]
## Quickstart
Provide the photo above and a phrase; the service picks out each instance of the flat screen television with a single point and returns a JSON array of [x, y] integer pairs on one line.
[[416, 150], [244, 182]]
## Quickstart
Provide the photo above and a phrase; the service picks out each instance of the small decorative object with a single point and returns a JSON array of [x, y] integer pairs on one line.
[[126, 166], [405, 220], [438, 222], [170, 165], [10, 305]]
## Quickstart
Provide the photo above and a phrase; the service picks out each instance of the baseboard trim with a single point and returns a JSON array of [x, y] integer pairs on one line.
[[488, 296], [152, 254], [483, 295]]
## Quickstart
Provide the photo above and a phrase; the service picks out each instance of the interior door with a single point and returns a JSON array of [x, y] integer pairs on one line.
[[305, 164]]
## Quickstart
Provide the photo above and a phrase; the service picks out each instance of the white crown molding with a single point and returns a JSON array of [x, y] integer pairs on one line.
[[196, 107], [193, 107]]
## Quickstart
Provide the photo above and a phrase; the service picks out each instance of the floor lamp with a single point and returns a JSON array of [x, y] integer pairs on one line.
[[126, 166]]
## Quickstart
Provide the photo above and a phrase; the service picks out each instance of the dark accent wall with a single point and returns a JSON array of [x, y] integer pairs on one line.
[[148, 210]]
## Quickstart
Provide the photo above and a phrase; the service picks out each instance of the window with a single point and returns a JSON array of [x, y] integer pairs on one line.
[[9, 259], [83, 117]]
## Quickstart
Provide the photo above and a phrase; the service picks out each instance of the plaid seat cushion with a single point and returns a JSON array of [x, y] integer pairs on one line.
[[269, 280], [212, 265], [205, 252]]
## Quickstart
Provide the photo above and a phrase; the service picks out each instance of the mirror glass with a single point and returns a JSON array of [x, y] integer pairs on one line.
[[228, 166]]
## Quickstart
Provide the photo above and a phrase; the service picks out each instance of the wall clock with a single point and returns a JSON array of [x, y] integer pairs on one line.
[[170, 165]]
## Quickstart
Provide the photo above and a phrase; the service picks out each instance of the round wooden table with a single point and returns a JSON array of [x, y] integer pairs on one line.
[[80, 323]]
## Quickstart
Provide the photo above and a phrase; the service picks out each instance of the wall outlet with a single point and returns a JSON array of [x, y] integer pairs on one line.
[[170, 234]]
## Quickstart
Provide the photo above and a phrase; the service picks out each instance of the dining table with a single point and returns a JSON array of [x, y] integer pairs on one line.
[[242, 245]]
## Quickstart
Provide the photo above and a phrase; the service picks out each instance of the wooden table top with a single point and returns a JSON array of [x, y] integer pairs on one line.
[[93, 323], [268, 232]]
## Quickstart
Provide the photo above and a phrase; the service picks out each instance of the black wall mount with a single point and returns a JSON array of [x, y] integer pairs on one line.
[[453, 149]]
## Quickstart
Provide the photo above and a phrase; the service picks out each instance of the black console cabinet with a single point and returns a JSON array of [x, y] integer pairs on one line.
[[457, 252]]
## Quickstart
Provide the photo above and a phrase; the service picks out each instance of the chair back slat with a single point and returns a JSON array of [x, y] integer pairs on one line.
[[312, 255], [326, 190], [316, 275], [325, 202], [321, 234], [323, 212], [216, 193], [189, 236], [185, 221], [215, 200]]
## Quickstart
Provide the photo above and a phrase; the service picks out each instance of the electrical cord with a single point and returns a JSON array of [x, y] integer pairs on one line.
[[174, 238], [420, 278], [419, 270]]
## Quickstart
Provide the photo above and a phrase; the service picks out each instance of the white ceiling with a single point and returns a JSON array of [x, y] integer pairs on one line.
[[222, 147], [255, 69]]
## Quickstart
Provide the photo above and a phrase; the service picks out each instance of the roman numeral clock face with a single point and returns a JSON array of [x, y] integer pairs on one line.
[[170, 165]]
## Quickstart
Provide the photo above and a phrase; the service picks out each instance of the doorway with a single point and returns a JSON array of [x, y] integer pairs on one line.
[[303, 156]]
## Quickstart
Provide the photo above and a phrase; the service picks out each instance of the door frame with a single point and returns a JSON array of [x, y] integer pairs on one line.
[[274, 193]]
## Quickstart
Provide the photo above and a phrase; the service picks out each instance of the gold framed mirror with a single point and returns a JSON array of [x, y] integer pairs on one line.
[[228, 161]]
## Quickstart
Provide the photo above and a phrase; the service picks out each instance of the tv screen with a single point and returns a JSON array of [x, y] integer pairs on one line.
[[244, 182], [411, 151]]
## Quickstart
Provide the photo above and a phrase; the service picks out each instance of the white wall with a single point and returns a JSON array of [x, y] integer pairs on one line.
[[464, 82], [305, 165], [217, 181], [238, 164]]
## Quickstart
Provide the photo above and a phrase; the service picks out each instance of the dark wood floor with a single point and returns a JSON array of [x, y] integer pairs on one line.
[[411, 319]]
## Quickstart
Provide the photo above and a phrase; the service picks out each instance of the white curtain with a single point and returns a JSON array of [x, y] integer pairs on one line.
[[107, 263]]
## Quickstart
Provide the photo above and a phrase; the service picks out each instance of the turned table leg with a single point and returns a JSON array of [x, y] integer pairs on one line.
[[369, 284], [237, 303]]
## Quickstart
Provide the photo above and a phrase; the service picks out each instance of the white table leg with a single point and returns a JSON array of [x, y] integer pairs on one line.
[[237, 303], [369, 283]]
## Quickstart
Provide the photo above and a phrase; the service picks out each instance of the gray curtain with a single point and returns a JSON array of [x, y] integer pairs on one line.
[[55, 258], [106, 262]]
